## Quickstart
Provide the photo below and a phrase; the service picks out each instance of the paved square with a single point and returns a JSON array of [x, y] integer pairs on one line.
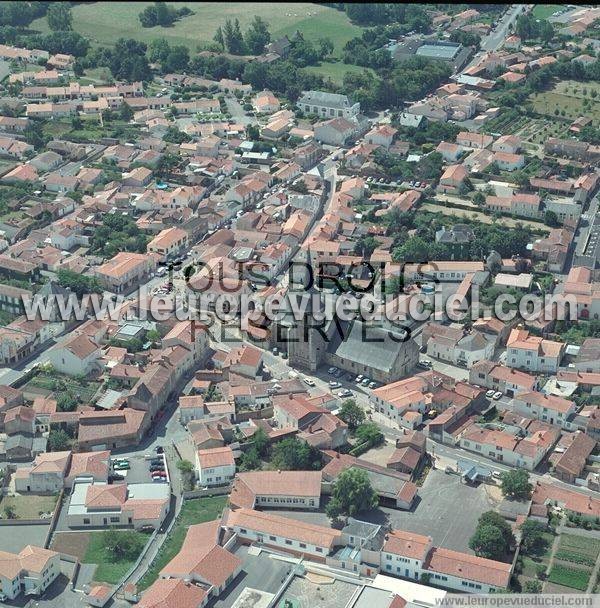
[[446, 509]]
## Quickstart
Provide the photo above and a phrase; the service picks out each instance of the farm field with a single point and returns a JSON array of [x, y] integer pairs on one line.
[[568, 97], [567, 576], [105, 22]]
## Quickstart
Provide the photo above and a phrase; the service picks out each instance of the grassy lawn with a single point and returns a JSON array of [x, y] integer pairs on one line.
[[543, 11], [336, 70], [195, 511], [109, 570], [105, 22], [28, 506], [576, 578]]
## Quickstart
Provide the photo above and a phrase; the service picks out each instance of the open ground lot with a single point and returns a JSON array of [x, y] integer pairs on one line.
[[14, 538], [30, 506], [105, 22], [434, 514], [90, 548]]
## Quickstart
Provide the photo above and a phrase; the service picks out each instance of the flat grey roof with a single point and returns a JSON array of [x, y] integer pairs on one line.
[[439, 51]]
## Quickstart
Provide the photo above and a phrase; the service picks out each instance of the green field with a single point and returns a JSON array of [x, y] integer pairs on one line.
[[109, 569], [105, 22], [194, 511], [575, 578], [573, 547], [543, 11], [568, 97]]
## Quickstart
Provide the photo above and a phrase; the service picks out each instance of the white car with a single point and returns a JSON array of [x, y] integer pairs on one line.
[[497, 396], [333, 384], [309, 382], [345, 393], [489, 394]]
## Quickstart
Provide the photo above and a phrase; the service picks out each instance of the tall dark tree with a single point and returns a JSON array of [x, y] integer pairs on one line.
[[59, 17], [257, 36]]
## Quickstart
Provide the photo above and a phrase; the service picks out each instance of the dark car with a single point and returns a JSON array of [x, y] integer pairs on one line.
[[157, 461], [159, 449], [155, 468]]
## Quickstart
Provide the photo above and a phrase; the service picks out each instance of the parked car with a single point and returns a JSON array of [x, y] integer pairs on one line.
[[349, 377], [365, 382], [159, 449], [372, 385], [345, 393], [158, 479], [156, 468], [497, 396], [424, 365], [339, 373], [358, 378], [332, 370], [334, 384], [489, 394], [309, 382]]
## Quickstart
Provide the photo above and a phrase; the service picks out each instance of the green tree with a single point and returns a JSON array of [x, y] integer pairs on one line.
[[479, 198], [369, 433], [325, 47], [551, 219], [488, 542], [261, 441], [177, 59], [218, 37], [78, 283], [532, 587], [366, 245], [352, 414], [153, 335], [294, 455], [249, 460], [532, 536], [515, 484], [76, 123], [126, 113], [10, 512], [493, 536], [186, 469], [59, 17], [58, 441], [123, 544], [66, 402], [352, 493], [257, 35]]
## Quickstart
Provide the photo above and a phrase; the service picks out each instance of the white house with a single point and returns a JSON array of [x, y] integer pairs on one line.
[[75, 356], [547, 408], [31, 571], [532, 353], [215, 466]]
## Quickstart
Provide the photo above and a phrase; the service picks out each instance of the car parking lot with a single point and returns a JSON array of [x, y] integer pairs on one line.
[[139, 468]]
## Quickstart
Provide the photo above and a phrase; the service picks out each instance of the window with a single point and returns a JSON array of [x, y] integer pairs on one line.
[[272, 538], [303, 545], [319, 549], [86, 521], [114, 520], [243, 530], [288, 542]]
